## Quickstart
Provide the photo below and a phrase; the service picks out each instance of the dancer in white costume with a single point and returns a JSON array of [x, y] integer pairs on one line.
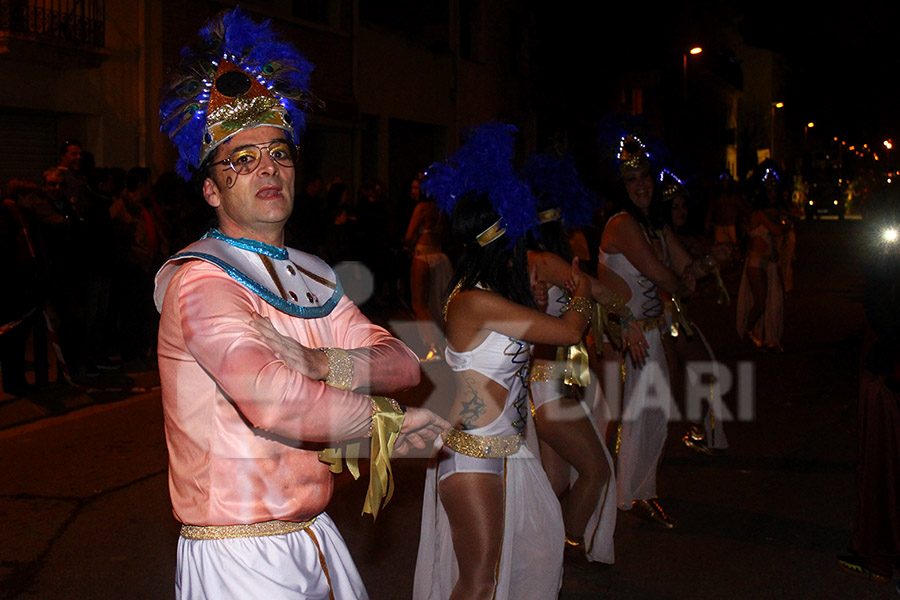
[[573, 447], [640, 248], [491, 525]]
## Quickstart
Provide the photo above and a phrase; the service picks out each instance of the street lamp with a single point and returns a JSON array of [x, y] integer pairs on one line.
[[772, 146], [694, 52]]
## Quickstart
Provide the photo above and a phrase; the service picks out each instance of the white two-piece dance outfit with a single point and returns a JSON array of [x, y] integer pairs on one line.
[[530, 562]]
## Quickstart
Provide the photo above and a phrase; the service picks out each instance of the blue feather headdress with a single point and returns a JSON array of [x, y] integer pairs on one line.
[[240, 75], [484, 165], [555, 182]]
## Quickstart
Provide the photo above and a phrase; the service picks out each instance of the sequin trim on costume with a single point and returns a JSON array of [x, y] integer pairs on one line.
[[226, 532], [478, 446], [545, 372]]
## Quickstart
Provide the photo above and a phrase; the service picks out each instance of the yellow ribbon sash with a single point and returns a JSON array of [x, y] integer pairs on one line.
[[386, 424]]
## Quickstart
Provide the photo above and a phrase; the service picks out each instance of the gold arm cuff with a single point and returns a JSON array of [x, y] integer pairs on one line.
[[583, 306], [478, 446], [545, 372], [225, 532], [340, 368], [617, 306]]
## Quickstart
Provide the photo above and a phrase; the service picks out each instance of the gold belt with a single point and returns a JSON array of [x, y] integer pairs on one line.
[[224, 532], [478, 446]]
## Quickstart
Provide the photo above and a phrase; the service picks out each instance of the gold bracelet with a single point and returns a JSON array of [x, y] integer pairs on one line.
[[617, 306], [583, 306], [615, 303], [544, 372], [340, 368]]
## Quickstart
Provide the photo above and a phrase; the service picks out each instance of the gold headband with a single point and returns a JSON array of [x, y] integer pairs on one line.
[[490, 234], [551, 214]]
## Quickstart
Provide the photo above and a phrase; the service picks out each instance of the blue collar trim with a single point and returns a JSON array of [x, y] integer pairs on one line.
[[304, 312], [248, 244]]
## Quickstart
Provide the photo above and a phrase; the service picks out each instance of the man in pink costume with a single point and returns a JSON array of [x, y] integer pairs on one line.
[[263, 360]]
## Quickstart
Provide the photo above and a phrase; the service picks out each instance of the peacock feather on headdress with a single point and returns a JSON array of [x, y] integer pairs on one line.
[[557, 186], [484, 165], [238, 76]]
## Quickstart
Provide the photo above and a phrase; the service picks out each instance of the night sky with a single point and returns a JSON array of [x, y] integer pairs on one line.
[[844, 63]]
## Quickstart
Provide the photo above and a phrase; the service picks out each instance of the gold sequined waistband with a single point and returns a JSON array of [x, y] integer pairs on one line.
[[224, 532], [546, 372], [478, 446]]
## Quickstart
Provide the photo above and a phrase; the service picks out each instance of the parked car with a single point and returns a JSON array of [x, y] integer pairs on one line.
[[826, 199]]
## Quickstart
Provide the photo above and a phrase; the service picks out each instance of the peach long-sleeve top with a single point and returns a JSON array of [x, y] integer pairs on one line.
[[242, 429]]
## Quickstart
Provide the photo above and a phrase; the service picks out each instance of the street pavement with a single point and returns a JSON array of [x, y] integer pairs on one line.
[[84, 511]]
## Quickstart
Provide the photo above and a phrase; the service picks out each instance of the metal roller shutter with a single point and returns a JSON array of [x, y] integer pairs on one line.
[[32, 143]]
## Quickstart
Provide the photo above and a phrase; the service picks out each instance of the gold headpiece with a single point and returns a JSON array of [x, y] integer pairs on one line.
[[239, 102], [632, 153], [551, 214], [671, 185], [238, 76]]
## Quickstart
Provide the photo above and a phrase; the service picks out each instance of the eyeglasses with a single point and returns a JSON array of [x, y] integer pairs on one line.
[[246, 159]]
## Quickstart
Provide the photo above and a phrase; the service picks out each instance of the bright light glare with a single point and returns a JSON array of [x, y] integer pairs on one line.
[[890, 235], [696, 50], [810, 124]]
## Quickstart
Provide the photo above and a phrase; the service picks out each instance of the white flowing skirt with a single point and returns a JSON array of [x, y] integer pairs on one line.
[[646, 407]]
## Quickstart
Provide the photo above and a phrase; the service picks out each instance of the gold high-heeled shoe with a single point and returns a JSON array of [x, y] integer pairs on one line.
[[575, 555], [695, 439], [652, 512]]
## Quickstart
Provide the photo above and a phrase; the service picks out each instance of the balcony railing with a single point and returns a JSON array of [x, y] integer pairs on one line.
[[78, 21]]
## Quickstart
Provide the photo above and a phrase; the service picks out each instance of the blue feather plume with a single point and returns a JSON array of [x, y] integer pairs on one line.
[[555, 182], [484, 165]]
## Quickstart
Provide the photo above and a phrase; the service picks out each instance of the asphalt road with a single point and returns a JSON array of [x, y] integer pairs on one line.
[[84, 510]]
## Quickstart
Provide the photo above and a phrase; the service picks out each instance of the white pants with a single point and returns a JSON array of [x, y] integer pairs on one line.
[[312, 564]]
